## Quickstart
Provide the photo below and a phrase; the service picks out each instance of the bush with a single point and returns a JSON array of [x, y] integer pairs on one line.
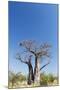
[[47, 79], [51, 78], [43, 79], [14, 78], [21, 78]]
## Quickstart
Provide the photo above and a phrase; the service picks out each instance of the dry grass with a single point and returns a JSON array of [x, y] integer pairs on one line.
[[24, 84]]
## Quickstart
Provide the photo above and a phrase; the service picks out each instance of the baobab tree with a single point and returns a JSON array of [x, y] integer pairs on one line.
[[37, 52]]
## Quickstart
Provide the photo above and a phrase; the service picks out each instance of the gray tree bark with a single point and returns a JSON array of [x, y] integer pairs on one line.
[[37, 71], [31, 75]]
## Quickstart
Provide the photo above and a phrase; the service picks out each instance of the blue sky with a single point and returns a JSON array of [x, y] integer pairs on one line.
[[31, 21]]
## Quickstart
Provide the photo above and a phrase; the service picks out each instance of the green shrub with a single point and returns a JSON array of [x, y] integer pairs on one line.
[[14, 78], [21, 77], [46, 79], [43, 79], [51, 78]]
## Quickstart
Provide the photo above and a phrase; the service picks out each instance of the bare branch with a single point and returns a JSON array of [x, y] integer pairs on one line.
[[28, 45], [31, 47], [45, 65], [26, 60], [19, 58], [44, 53], [44, 46]]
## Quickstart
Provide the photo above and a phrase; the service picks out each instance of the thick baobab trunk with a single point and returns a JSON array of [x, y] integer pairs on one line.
[[37, 71], [30, 76]]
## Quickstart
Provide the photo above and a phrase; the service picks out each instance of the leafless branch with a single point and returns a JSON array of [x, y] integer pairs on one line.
[[19, 58], [45, 46], [29, 46], [45, 65], [43, 53]]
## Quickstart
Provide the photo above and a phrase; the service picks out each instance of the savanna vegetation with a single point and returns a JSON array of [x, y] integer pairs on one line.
[[19, 80]]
